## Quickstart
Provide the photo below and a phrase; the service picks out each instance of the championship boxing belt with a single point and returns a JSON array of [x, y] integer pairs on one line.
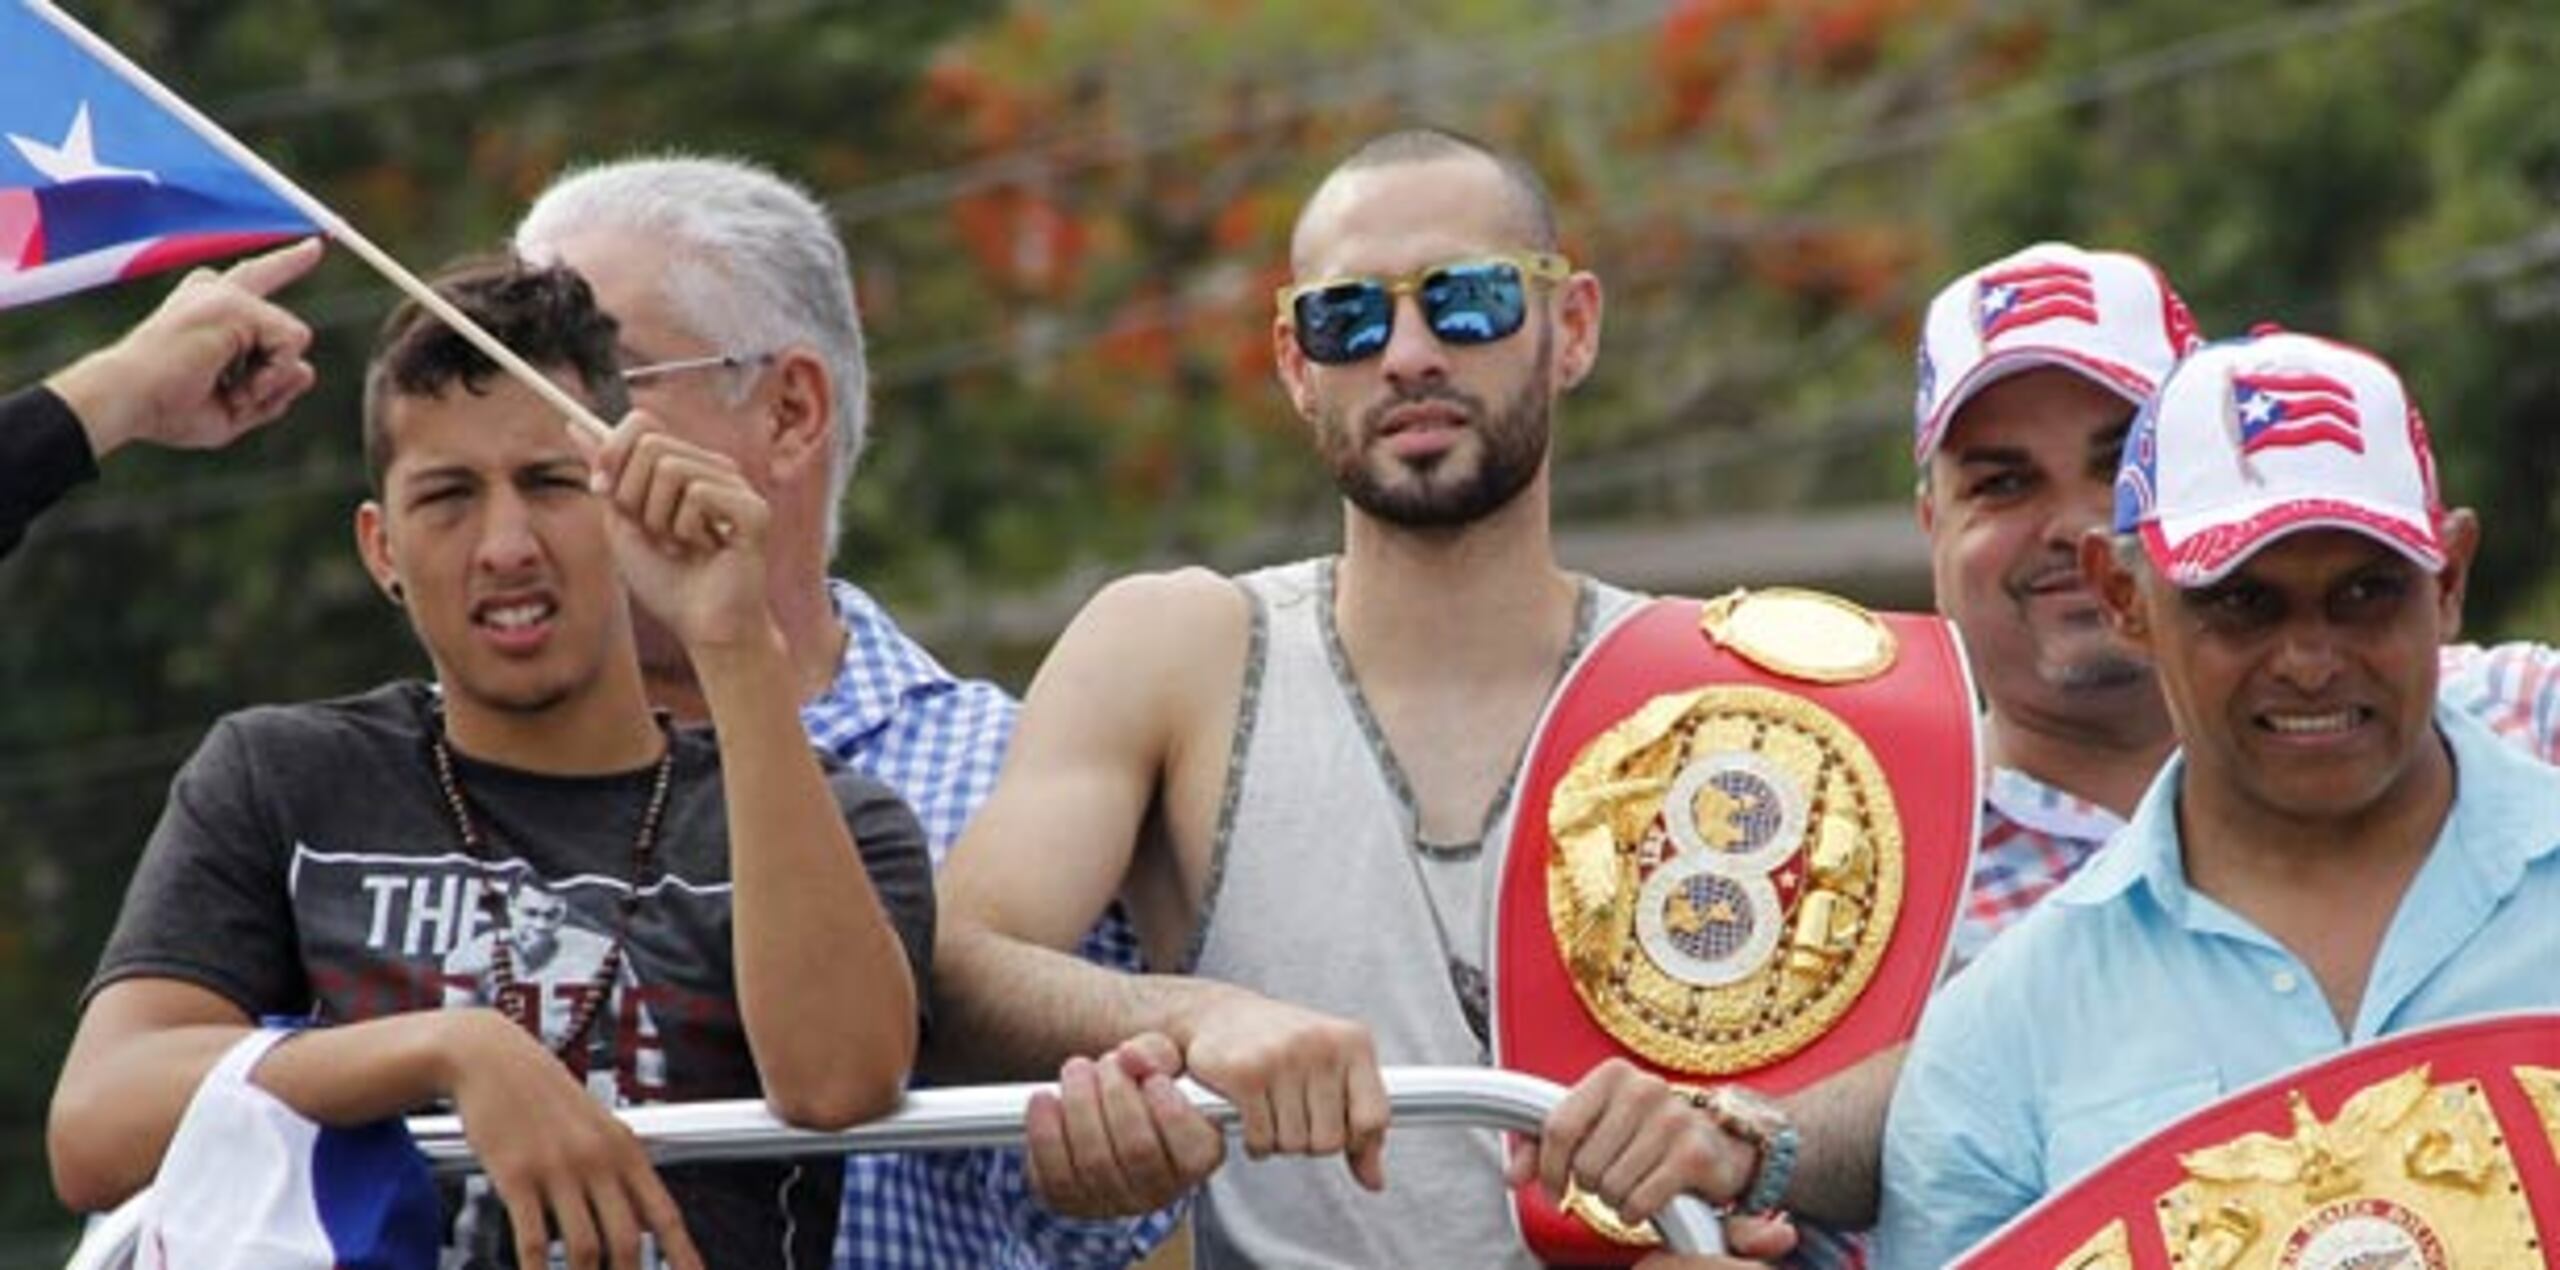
[[2430, 1150], [1743, 836]]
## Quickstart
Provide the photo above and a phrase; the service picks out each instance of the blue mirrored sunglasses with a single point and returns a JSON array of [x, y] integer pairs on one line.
[[1475, 301]]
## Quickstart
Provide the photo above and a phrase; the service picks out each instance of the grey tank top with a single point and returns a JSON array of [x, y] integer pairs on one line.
[[1320, 893]]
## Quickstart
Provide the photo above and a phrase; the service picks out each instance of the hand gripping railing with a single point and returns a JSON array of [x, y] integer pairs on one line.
[[985, 1116]]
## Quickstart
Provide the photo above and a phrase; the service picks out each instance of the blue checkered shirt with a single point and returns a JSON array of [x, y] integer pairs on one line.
[[895, 714]]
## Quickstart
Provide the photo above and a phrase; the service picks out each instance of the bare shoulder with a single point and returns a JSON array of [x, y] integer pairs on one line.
[[1181, 630], [1131, 690], [1177, 603]]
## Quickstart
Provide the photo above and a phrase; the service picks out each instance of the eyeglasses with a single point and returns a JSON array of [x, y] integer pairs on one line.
[[643, 376], [1474, 301]]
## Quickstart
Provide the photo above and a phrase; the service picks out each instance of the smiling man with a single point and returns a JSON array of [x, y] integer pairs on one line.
[[2333, 856], [2031, 368]]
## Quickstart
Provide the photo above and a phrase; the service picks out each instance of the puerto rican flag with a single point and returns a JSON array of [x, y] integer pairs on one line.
[[2290, 408], [2038, 291], [100, 183], [248, 1183]]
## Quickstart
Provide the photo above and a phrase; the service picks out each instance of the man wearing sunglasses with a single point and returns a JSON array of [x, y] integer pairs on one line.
[[1290, 776], [740, 332]]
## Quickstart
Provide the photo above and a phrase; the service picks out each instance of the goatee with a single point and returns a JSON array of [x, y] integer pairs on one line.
[[1512, 447]]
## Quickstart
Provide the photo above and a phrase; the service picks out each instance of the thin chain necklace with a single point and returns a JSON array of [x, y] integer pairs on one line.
[[1468, 983], [516, 1001]]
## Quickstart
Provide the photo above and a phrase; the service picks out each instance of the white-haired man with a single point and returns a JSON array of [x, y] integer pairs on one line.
[[740, 331]]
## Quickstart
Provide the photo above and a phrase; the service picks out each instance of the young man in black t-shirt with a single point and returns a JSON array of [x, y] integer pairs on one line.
[[517, 891]]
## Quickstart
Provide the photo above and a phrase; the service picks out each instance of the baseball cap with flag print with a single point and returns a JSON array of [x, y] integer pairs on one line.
[[2107, 315], [2253, 439]]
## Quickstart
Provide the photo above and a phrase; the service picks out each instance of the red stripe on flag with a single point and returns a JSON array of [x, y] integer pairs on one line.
[[2298, 382], [2047, 272], [2314, 404], [21, 230], [2045, 309], [179, 250], [2312, 431], [2053, 288]]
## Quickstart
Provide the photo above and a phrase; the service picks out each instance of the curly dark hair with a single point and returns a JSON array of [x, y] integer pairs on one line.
[[547, 314]]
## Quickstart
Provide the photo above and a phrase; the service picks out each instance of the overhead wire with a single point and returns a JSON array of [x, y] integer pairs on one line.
[[478, 68], [2176, 60], [1405, 68]]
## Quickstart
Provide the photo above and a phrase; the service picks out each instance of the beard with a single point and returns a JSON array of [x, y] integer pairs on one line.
[[2100, 669], [2081, 655], [1511, 447], [2073, 652]]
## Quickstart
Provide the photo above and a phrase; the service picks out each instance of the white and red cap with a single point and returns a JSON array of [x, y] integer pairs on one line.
[[2253, 439], [2107, 315]]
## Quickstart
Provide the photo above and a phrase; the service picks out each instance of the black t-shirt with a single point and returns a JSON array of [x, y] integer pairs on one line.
[[307, 865]]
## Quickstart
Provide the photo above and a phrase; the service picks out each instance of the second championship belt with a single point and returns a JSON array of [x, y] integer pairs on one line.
[[2430, 1150], [1743, 835]]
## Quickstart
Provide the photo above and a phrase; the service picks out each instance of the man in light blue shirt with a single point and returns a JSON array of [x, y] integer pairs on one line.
[[2332, 857]]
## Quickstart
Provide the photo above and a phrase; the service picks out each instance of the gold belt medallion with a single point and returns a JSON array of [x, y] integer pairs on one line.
[[1727, 871], [2410, 1174], [1800, 634]]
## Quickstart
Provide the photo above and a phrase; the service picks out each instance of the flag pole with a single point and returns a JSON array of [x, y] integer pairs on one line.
[[329, 221]]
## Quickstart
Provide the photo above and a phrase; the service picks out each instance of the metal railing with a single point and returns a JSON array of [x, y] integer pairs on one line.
[[983, 1116]]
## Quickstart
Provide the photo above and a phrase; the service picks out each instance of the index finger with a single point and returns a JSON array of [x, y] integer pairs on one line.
[[607, 453], [1052, 1169], [525, 1217], [1368, 1114], [617, 1228], [264, 275], [1563, 1134], [1149, 1053], [659, 1213]]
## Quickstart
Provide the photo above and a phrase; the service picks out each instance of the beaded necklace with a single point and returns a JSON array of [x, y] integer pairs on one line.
[[518, 1001]]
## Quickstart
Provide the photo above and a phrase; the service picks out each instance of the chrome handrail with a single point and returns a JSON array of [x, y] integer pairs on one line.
[[985, 1116]]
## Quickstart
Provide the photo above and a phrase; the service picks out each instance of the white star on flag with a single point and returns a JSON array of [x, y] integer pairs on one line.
[[2258, 410], [76, 159]]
